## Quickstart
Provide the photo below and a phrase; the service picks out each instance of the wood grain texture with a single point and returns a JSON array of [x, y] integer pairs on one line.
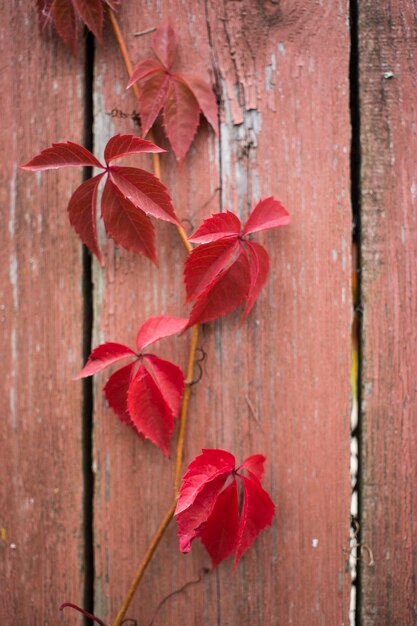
[[41, 539], [388, 92], [277, 385]]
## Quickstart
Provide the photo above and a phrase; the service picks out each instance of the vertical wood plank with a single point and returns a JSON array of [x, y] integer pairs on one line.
[[279, 384], [388, 92], [41, 538]]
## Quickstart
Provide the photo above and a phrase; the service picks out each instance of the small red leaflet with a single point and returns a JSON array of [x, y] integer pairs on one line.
[[227, 269], [130, 194], [66, 16], [145, 394], [209, 510], [181, 96]]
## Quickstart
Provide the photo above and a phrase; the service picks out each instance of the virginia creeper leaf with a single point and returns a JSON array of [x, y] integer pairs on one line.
[[207, 510], [156, 328], [259, 268], [227, 291], [143, 190], [164, 44], [191, 520], [150, 399], [65, 14], [206, 99], [92, 14], [181, 117], [227, 269], [170, 380], [82, 213], [62, 155], [122, 145], [127, 225], [211, 464], [149, 411], [219, 533], [116, 390], [64, 18], [181, 97], [218, 226], [257, 512], [255, 465], [153, 95], [267, 214], [130, 194], [205, 265], [104, 355]]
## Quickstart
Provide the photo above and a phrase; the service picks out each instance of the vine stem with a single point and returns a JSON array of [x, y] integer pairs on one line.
[[190, 369]]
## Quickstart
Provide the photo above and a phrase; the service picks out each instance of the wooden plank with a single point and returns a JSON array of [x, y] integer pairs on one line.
[[280, 383], [41, 540], [388, 92]]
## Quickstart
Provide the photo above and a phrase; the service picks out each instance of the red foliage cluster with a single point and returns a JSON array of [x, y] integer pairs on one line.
[[67, 14], [182, 97], [224, 271], [130, 194], [210, 512], [146, 393]]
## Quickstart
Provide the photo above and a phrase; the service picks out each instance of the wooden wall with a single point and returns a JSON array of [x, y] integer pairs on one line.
[[279, 384]]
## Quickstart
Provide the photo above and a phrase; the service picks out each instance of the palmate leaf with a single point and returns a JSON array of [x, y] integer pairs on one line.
[[67, 15], [145, 394], [227, 269], [130, 194], [209, 510], [183, 98]]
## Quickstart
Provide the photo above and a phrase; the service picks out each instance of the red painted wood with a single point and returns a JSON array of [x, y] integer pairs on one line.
[[279, 384], [41, 538], [388, 67]]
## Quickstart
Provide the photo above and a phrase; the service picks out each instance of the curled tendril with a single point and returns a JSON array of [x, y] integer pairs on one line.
[[80, 610]]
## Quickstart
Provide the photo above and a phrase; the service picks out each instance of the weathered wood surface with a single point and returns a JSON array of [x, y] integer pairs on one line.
[[41, 538], [388, 95], [280, 383]]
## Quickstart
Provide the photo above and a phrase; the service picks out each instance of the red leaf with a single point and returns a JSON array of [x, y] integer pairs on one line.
[[224, 294], [211, 464], [170, 381], [255, 465], [156, 328], [182, 97], [219, 533], [91, 13], [116, 390], [122, 145], [191, 520], [64, 18], [143, 190], [149, 411], [144, 69], [104, 355], [267, 214], [62, 155], [126, 224], [82, 213], [206, 99], [257, 512], [259, 268], [205, 264], [164, 44], [152, 97], [181, 117], [217, 227], [208, 511]]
